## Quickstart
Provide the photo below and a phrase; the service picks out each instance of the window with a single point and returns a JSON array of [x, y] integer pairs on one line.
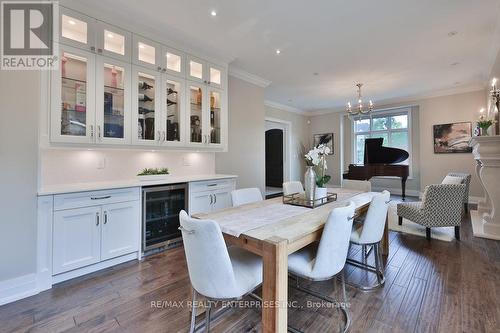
[[392, 126]]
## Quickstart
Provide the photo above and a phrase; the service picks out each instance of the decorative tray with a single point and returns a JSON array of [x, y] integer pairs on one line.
[[299, 199]]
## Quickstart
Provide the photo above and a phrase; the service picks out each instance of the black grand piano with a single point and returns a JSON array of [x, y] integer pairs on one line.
[[380, 161]]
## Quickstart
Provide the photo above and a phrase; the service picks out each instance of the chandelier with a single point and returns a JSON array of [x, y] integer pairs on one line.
[[359, 109]]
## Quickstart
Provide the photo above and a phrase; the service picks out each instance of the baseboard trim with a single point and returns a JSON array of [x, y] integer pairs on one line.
[[17, 288]]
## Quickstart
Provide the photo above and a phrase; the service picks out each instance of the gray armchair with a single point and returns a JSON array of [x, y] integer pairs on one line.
[[441, 206], [465, 180]]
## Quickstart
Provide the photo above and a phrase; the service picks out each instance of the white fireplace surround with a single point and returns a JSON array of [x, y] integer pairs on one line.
[[486, 220]]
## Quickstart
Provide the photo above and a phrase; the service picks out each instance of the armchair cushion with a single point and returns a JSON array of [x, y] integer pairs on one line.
[[452, 180]]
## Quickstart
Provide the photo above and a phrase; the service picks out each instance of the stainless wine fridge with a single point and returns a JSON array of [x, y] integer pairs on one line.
[[160, 215]]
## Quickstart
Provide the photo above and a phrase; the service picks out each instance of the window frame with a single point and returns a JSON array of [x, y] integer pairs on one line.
[[386, 113]]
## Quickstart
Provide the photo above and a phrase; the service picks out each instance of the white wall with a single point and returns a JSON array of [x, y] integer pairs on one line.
[[59, 166], [245, 156], [20, 107], [299, 136]]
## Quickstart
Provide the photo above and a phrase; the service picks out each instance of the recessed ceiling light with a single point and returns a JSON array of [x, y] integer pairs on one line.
[[455, 64], [316, 73], [110, 35], [457, 83], [289, 100], [452, 33], [278, 51], [71, 22], [213, 13]]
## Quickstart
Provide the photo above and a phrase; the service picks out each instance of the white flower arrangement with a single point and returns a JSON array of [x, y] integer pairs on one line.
[[316, 157]]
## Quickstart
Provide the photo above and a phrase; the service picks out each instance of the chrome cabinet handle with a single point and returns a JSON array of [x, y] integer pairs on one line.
[[92, 48], [92, 131], [97, 219], [215, 196], [164, 133], [100, 198], [211, 199], [159, 69], [159, 135], [99, 50], [208, 138], [164, 70], [105, 217], [99, 132]]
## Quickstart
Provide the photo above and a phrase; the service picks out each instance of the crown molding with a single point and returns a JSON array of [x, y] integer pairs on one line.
[[411, 99], [248, 77], [286, 108]]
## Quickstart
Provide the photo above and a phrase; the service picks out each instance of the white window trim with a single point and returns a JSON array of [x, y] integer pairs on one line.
[[389, 112]]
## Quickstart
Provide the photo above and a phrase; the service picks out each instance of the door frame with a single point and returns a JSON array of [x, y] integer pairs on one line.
[[287, 144]]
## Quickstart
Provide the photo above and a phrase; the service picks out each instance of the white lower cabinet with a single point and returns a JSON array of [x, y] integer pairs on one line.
[[77, 238], [107, 228], [209, 196], [119, 234]]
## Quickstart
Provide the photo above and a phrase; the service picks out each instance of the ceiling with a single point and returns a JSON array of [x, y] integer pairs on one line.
[[397, 48]]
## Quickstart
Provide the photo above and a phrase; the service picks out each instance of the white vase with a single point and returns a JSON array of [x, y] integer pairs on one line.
[[309, 183], [320, 193]]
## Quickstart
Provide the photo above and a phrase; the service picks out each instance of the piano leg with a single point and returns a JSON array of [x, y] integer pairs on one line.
[[403, 187]]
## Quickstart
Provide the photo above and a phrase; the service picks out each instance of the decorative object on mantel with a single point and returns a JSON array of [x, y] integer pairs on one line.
[[324, 139], [486, 219], [359, 109], [452, 138], [494, 105], [315, 185], [149, 174], [484, 123]]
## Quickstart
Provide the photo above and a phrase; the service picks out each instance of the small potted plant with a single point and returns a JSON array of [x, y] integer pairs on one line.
[[149, 174], [484, 124]]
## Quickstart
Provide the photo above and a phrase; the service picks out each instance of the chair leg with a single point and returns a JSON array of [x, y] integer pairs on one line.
[[428, 233], [377, 269], [400, 220], [208, 311], [457, 232], [377, 263], [193, 313]]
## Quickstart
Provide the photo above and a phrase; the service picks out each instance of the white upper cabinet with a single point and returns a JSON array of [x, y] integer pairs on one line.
[[113, 104], [174, 62], [196, 69], [77, 29], [146, 53], [173, 106], [73, 97], [113, 42], [215, 76]]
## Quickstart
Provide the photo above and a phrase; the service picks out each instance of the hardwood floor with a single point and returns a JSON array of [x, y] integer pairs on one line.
[[431, 286]]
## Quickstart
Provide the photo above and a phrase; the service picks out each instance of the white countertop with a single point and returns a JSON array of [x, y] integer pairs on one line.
[[82, 187]]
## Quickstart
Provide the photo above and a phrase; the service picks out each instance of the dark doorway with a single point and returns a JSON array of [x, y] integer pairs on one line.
[[274, 158]]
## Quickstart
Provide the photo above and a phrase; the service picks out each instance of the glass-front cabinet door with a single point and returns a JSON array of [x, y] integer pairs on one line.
[[196, 114], [113, 101], [72, 100], [113, 42], [174, 62], [215, 76], [196, 69], [174, 100], [146, 53], [214, 129], [146, 105], [76, 29]]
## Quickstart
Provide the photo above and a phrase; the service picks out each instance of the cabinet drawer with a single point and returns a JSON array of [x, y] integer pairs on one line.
[[208, 185], [94, 198]]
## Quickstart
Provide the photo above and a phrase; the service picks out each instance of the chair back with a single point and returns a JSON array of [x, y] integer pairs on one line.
[[208, 261], [334, 243], [374, 224], [245, 196], [292, 187], [443, 204], [465, 180], [361, 185]]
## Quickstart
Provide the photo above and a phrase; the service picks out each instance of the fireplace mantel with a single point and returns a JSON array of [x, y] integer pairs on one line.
[[486, 152]]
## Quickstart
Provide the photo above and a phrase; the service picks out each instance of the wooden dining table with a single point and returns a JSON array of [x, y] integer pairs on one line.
[[275, 241]]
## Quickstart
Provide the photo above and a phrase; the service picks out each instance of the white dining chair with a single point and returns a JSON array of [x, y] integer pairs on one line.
[[324, 260], [292, 187], [245, 196], [215, 271], [370, 233], [360, 185]]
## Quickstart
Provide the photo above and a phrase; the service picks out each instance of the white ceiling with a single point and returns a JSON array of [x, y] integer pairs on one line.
[[397, 48]]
